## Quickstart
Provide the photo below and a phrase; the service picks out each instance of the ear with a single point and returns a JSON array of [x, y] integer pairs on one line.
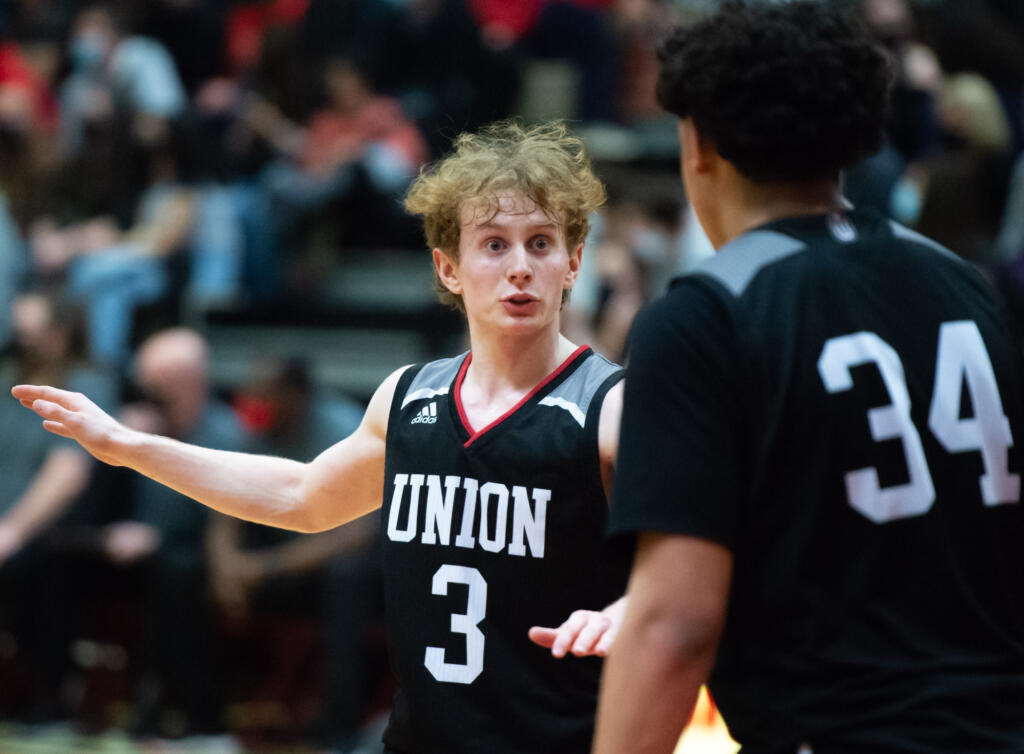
[[697, 152], [447, 272], [575, 260]]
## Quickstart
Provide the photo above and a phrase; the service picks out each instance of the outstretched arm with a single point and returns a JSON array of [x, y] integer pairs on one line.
[[678, 594], [342, 483]]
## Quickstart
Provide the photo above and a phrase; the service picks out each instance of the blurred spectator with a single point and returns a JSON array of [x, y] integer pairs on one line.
[[27, 103], [12, 265], [575, 32], [641, 26], [450, 77], [983, 37], [41, 475], [913, 127], [360, 146], [27, 127], [192, 31], [112, 271], [963, 188], [258, 570], [113, 72], [633, 250], [165, 539]]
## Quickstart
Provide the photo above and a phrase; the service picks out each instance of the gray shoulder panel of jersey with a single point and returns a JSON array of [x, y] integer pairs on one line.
[[577, 391], [736, 263], [907, 234], [434, 379]]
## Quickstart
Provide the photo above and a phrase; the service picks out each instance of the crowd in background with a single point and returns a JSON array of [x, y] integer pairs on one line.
[[165, 159]]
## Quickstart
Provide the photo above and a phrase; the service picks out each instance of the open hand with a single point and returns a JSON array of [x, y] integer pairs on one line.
[[73, 415], [585, 632]]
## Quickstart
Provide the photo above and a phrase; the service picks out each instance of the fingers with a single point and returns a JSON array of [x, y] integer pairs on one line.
[[587, 641], [52, 411], [568, 632], [606, 640], [586, 632], [57, 428], [543, 636], [32, 393]]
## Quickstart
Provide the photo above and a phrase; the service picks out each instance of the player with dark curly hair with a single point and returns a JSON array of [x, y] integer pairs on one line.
[[818, 450]]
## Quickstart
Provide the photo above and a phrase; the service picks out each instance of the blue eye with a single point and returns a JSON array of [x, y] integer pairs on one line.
[[494, 245]]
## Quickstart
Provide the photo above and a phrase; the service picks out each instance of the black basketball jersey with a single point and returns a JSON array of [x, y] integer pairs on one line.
[[486, 533], [838, 400]]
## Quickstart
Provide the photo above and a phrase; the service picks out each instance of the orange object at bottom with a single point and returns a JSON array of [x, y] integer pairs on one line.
[[706, 733]]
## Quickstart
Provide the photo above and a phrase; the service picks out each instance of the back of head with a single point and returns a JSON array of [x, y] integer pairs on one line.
[[786, 91], [544, 163]]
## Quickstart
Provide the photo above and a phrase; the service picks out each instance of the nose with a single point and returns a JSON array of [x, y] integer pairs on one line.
[[519, 270]]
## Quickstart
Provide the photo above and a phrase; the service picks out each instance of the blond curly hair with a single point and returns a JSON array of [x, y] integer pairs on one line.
[[544, 163]]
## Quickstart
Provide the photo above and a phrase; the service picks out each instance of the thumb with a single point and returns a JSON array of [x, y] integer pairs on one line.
[[545, 637]]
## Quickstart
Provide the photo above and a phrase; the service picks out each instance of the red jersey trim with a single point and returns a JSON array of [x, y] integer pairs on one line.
[[474, 435]]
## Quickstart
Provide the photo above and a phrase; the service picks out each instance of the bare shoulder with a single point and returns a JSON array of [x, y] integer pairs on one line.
[[379, 409], [608, 424]]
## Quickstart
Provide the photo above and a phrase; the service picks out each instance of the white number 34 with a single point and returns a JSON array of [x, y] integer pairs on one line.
[[962, 360]]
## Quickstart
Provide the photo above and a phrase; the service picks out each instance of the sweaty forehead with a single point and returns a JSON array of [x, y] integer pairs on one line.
[[494, 210]]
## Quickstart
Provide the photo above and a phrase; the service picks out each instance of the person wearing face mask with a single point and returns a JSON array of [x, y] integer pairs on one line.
[[114, 72], [265, 580]]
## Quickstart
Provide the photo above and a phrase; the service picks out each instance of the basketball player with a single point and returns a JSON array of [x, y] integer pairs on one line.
[[819, 451], [493, 466]]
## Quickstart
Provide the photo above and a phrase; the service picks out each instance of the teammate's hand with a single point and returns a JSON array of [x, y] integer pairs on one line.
[[73, 415], [586, 632]]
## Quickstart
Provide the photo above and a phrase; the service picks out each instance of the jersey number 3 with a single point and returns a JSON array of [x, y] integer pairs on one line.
[[962, 360], [461, 623]]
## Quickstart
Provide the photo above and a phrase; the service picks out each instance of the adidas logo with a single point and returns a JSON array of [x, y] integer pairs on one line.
[[427, 415]]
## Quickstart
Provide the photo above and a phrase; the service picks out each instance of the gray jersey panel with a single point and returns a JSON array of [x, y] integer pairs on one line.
[[433, 379], [577, 391], [736, 263]]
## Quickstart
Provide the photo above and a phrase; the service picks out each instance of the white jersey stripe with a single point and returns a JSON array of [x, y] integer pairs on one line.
[[426, 392], [572, 408]]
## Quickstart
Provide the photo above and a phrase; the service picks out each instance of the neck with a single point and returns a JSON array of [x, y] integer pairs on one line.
[[515, 363], [748, 205]]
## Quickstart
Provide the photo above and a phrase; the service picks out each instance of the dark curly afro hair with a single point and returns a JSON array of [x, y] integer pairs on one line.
[[790, 91]]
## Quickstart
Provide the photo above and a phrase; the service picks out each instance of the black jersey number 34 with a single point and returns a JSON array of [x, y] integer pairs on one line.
[[961, 360]]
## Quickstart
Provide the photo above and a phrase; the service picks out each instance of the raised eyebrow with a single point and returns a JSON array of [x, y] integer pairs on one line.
[[501, 227]]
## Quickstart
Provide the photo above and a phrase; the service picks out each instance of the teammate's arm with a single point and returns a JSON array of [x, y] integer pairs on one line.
[[678, 594], [592, 632], [341, 484]]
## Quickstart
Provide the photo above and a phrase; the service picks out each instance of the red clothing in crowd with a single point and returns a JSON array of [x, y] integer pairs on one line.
[[334, 139]]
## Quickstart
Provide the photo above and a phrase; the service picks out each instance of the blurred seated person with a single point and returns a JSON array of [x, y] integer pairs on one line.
[[329, 576], [115, 71], [962, 190], [111, 270], [41, 476], [635, 243], [359, 147], [165, 538]]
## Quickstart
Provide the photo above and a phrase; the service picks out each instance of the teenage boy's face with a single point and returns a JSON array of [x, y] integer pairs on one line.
[[513, 266]]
